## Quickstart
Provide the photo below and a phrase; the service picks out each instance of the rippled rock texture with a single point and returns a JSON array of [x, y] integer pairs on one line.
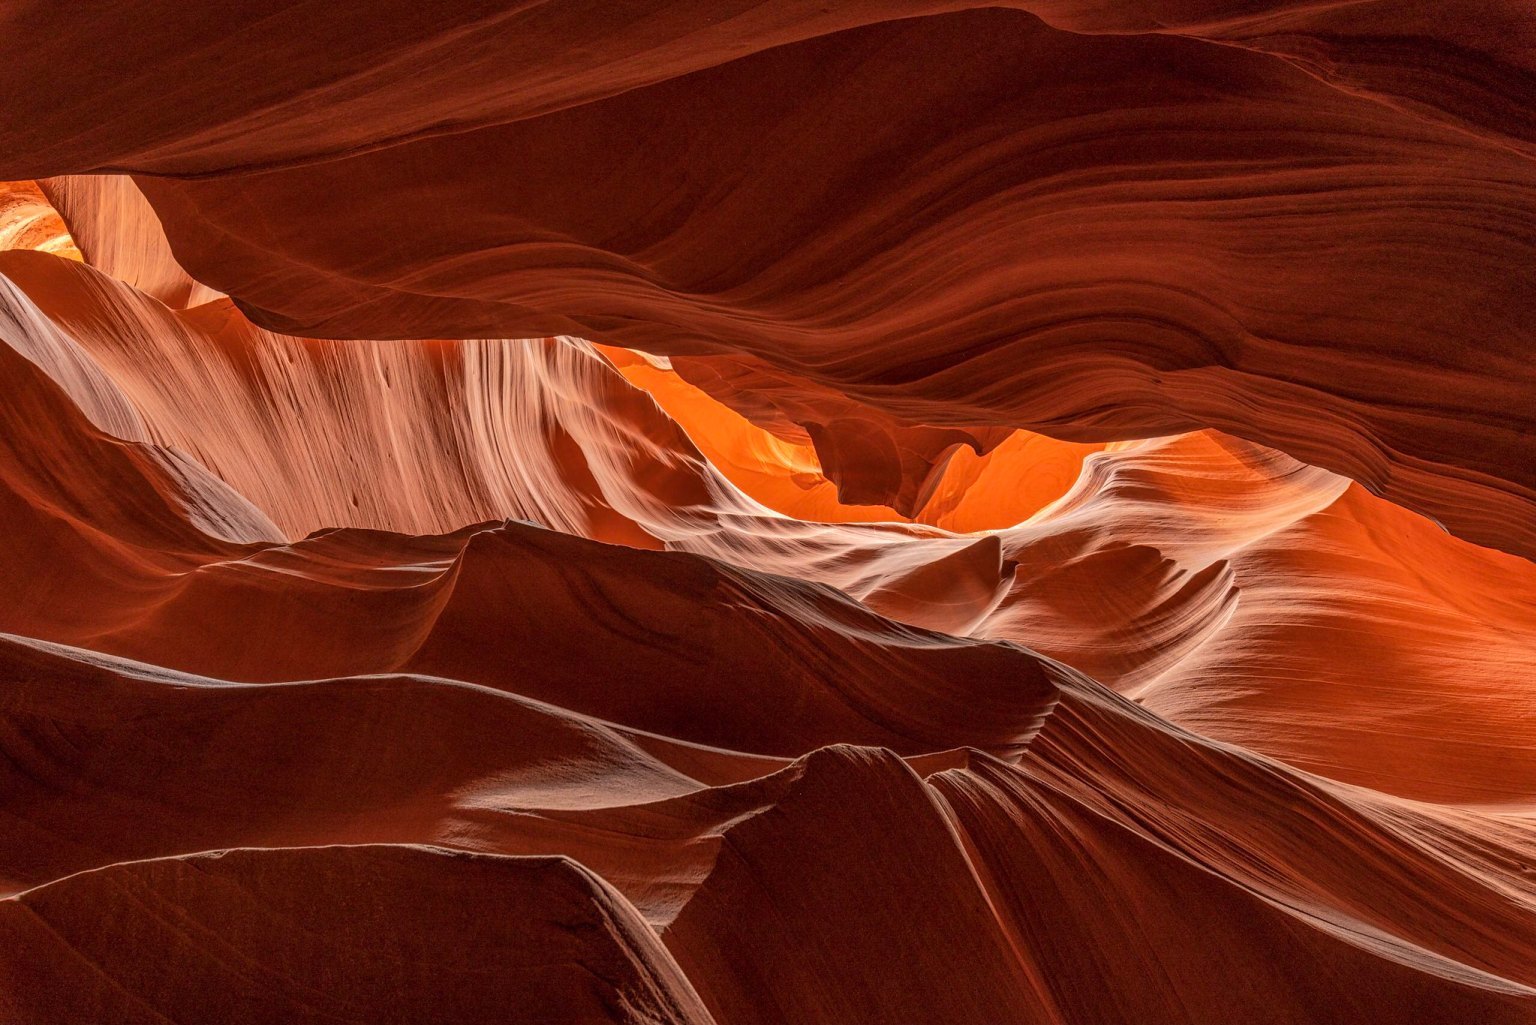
[[895, 511]]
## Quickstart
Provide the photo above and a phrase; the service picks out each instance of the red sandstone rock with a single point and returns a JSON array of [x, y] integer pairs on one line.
[[738, 649]]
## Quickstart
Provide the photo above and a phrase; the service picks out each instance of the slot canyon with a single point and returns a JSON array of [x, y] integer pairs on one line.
[[760, 512]]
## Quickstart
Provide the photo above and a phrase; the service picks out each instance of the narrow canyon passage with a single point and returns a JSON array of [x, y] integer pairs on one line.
[[903, 511]]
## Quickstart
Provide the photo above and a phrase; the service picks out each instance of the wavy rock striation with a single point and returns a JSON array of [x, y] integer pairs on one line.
[[760, 659], [1118, 220]]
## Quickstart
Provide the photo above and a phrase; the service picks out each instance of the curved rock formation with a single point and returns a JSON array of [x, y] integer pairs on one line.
[[109, 219], [931, 563], [565, 946], [1267, 222], [782, 890], [29, 222]]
